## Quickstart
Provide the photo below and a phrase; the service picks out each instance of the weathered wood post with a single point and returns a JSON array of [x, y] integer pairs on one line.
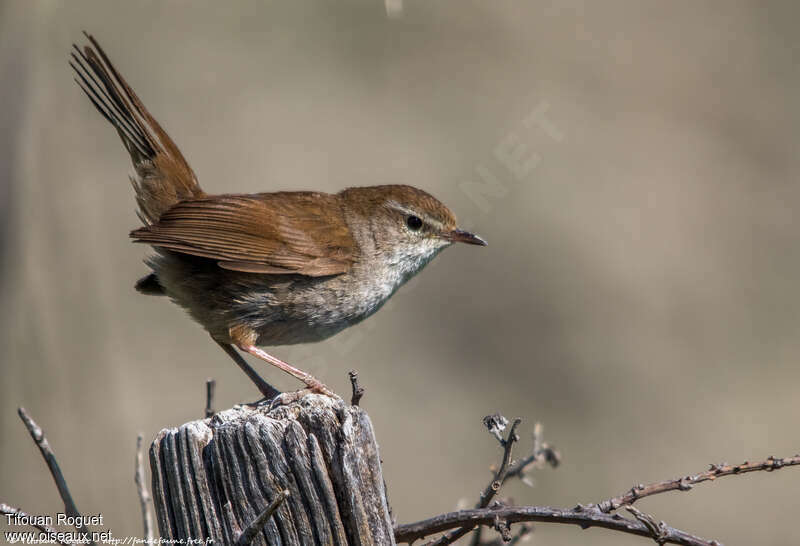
[[213, 477]]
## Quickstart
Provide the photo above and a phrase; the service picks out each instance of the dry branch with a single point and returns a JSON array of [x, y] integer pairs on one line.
[[583, 517], [47, 453], [501, 517], [496, 424], [542, 454], [144, 496], [688, 482]]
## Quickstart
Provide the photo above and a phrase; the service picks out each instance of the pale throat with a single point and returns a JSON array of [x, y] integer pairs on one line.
[[402, 263]]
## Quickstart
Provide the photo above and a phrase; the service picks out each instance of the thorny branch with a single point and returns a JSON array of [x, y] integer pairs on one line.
[[50, 458], [583, 517], [688, 482], [541, 455], [496, 424], [500, 477], [500, 516], [144, 496]]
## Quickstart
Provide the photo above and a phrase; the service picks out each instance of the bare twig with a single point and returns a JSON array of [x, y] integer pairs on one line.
[[543, 454], [17, 517], [358, 391], [687, 482], [250, 532], [496, 424], [500, 477], [50, 458], [144, 496], [210, 387], [582, 516], [501, 517], [593, 515]]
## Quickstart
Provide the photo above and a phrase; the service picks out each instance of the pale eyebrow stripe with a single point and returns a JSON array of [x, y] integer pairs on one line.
[[405, 210]]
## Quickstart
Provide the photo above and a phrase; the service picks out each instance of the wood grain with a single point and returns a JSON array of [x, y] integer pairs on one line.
[[212, 477]]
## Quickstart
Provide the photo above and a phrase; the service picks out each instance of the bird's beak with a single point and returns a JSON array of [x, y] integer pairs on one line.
[[461, 236]]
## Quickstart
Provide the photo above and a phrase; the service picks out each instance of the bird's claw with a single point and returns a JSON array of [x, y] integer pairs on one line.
[[286, 398]]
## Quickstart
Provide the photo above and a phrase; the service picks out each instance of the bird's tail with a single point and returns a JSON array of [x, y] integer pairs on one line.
[[163, 177]]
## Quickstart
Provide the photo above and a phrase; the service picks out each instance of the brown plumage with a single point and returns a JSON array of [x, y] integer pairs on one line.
[[164, 176], [268, 268], [278, 233]]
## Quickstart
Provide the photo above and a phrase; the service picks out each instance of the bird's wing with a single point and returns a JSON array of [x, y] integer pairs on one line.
[[273, 233]]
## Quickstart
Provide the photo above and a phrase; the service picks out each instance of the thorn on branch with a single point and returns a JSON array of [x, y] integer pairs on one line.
[[358, 391], [249, 534]]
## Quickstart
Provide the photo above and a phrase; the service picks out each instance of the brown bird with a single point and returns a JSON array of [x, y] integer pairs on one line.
[[264, 269]]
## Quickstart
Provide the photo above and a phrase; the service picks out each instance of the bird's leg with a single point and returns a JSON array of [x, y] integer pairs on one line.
[[266, 389], [312, 383]]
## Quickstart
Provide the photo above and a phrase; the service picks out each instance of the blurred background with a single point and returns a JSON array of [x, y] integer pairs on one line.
[[634, 166]]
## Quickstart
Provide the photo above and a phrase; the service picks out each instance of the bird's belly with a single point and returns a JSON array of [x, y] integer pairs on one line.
[[280, 309], [312, 309]]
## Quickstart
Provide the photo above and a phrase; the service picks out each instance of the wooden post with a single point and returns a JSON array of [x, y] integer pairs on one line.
[[213, 477]]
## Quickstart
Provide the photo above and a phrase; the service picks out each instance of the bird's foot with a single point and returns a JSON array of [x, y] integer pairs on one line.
[[317, 387], [286, 398]]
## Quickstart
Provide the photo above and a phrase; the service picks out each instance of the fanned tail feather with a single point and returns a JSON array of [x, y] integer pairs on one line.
[[163, 177]]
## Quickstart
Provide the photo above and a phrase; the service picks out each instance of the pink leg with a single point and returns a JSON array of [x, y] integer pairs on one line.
[[266, 389], [314, 384]]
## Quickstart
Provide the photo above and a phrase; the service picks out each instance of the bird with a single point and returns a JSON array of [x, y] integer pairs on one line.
[[264, 269]]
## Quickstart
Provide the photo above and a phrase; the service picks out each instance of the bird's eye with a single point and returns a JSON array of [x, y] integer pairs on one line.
[[414, 223]]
